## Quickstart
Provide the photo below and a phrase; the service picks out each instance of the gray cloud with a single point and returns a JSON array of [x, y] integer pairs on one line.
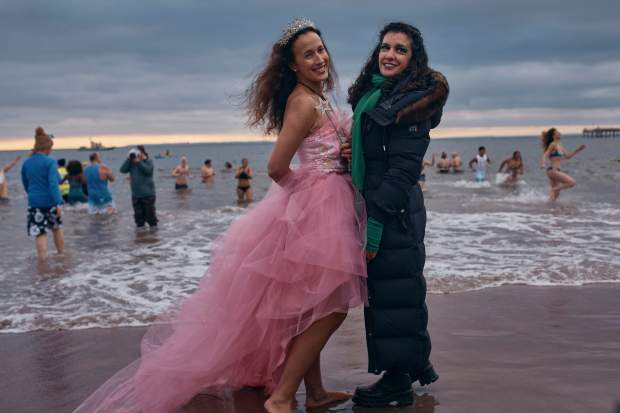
[[181, 66]]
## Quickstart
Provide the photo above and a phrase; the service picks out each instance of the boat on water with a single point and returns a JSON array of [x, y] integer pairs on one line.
[[96, 146]]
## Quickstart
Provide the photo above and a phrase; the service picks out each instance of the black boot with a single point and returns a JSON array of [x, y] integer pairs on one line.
[[426, 376], [392, 389]]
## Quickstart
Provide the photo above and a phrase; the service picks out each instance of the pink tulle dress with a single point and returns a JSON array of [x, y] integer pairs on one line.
[[293, 258]]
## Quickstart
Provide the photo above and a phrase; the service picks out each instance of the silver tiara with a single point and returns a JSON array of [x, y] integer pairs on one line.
[[294, 27]]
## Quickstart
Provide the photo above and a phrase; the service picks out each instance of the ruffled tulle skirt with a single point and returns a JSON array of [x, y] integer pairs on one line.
[[292, 259]]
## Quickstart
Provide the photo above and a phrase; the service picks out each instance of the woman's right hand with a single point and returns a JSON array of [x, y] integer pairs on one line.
[[346, 151]]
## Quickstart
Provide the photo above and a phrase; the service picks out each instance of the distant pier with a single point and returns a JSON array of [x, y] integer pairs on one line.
[[601, 132]]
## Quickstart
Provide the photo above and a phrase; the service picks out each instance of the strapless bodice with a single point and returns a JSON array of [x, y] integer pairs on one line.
[[320, 150]]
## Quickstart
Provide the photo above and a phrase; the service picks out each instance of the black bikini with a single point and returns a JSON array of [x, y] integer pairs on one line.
[[243, 175]]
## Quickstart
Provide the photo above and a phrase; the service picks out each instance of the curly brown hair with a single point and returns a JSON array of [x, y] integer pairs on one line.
[[546, 137], [418, 73], [266, 97]]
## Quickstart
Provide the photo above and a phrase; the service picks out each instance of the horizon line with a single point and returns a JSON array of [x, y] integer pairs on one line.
[[123, 140]]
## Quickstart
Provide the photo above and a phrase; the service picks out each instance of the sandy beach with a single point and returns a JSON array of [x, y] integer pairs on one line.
[[506, 349]]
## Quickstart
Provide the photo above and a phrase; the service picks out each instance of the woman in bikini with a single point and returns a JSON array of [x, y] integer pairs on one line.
[[244, 175], [554, 152]]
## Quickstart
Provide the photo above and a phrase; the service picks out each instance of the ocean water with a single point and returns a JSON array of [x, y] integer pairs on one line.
[[478, 235]]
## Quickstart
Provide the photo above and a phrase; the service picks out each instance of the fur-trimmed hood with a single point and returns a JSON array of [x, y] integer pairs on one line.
[[429, 106]]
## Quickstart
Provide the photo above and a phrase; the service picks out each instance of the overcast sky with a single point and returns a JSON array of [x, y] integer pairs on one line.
[[180, 66]]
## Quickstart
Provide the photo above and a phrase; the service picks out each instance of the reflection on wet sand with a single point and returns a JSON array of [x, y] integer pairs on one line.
[[251, 401], [503, 350]]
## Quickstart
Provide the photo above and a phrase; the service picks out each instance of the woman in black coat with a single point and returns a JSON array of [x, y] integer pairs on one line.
[[397, 99]]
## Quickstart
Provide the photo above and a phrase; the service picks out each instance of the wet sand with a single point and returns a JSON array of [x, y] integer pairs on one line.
[[507, 349]]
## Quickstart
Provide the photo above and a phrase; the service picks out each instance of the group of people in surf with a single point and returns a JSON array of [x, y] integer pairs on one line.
[[512, 168], [243, 175]]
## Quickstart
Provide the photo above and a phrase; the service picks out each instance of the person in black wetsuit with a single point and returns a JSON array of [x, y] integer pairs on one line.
[[244, 175], [397, 99]]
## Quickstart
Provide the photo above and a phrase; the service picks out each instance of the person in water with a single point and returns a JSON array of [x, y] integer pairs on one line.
[[76, 181], [228, 167], [457, 163], [284, 275], [480, 164], [4, 184], [397, 99], [513, 167], [207, 172], [244, 175], [64, 185], [143, 196], [97, 177], [554, 152], [422, 179], [40, 179], [443, 164], [181, 175]]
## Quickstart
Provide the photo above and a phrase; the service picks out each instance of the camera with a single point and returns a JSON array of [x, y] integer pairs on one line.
[[133, 153]]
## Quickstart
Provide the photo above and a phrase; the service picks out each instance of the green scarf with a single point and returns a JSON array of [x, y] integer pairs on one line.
[[367, 102]]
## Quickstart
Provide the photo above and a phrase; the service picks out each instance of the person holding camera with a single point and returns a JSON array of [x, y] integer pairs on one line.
[[140, 169]]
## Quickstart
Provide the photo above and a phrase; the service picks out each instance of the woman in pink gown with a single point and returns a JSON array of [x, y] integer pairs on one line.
[[284, 275]]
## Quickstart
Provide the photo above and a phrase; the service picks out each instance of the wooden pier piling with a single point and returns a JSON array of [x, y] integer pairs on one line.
[[601, 132]]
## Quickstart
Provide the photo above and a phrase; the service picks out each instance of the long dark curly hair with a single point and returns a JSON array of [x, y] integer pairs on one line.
[[417, 71], [266, 97], [546, 137], [74, 168]]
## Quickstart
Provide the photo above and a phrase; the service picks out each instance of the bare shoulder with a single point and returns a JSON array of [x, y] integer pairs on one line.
[[301, 102]]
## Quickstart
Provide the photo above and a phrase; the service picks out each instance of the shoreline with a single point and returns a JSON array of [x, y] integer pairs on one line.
[[5, 328], [504, 349]]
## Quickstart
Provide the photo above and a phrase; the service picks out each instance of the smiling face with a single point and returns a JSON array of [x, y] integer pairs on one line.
[[394, 54], [310, 59], [556, 136]]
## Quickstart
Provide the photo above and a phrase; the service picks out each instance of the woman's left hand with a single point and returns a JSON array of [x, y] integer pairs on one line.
[[370, 256]]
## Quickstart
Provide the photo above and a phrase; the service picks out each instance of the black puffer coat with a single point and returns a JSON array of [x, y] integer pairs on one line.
[[395, 138]]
